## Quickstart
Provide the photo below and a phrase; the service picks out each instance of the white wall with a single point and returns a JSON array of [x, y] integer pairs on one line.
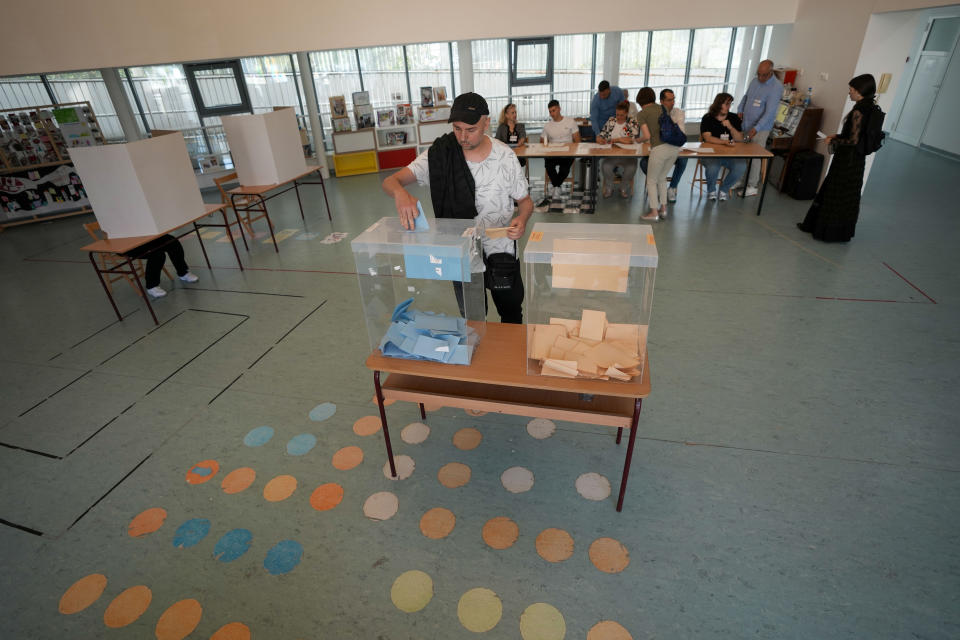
[[888, 43], [780, 37]]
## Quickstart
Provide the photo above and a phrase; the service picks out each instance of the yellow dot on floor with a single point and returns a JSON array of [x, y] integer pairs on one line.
[[542, 621], [608, 630], [479, 610], [467, 439], [412, 591]]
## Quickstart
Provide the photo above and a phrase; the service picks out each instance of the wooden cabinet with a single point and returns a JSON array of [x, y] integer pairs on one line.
[[795, 130], [355, 152]]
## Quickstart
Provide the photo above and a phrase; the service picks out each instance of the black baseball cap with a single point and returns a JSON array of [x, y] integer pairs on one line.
[[468, 108]]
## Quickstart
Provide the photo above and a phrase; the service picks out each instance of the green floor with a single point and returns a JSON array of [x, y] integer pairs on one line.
[[795, 473]]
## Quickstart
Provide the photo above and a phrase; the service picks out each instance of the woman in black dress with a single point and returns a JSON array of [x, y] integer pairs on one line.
[[833, 215]]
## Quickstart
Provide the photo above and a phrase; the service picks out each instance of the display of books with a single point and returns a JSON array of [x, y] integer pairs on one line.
[[361, 97], [396, 137], [338, 107], [341, 124], [438, 114], [363, 113], [385, 118], [426, 97], [439, 95], [404, 113]]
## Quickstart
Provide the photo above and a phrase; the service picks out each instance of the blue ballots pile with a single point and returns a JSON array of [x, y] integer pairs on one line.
[[419, 335]]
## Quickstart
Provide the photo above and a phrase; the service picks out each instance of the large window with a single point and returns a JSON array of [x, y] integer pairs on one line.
[[668, 60], [429, 66], [162, 97], [709, 58], [573, 60], [272, 81], [335, 73], [491, 67], [383, 73], [633, 61]]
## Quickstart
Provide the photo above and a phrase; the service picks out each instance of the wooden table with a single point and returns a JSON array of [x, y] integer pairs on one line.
[[258, 197], [123, 246], [746, 150], [496, 381]]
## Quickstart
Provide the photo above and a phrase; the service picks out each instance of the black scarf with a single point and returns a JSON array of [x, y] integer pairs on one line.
[[452, 188]]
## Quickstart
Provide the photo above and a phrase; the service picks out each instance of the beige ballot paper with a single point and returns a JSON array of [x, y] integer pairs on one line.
[[570, 272]]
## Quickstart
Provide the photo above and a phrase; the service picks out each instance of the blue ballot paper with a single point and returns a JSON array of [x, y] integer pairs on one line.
[[420, 223], [417, 335]]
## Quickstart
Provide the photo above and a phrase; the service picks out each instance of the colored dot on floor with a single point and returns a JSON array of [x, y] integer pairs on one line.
[[500, 532], [609, 555], [415, 433], [179, 620], [82, 593], [386, 401], [366, 426], [326, 496], [542, 621], [593, 486], [301, 444], [146, 522], [554, 545], [479, 610], [258, 437], [541, 428], [467, 439], [404, 466], [232, 545], [347, 458], [382, 505], [412, 591], [517, 479], [280, 488], [323, 411], [453, 475], [475, 412], [437, 523], [203, 471], [283, 557], [127, 607], [238, 480], [190, 533], [432, 406], [608, 630], [232, 631]]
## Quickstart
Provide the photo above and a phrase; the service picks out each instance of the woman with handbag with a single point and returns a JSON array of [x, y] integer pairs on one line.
[[662, 154]]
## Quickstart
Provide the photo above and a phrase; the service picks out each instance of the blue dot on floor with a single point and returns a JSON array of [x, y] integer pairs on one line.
[[301, 444], [258, 437], [283, 557], [232, 545], [191, 532], [323, 411]]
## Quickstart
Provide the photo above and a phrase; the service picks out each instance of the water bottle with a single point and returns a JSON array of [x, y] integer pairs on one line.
[[807, 99]]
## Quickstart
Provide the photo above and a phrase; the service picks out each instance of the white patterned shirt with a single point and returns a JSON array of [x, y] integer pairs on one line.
[[499, 182]]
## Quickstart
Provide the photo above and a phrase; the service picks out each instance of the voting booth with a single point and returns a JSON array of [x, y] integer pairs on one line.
[[266, 147], [422, 291], [589, 295]]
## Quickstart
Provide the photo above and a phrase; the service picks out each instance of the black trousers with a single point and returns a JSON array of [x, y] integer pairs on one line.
[[557, 169], [509, 302], [155, 252]]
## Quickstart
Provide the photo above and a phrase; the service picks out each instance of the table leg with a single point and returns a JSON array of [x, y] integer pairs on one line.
[[226, 225], [626, 465], [143, 292], [106, 289], [746, 178], [325, 201], [296, 188], [243, 236], [202, 248], [383, 422], [763, 189], [266, 214], [423, 412], [619, 434]]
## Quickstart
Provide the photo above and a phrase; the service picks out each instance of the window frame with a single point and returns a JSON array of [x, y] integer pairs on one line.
[[203, 111]]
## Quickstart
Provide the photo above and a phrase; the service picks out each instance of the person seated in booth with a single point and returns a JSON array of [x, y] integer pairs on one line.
[[155, 253], [619, 128], [720, 127], [511, 132]]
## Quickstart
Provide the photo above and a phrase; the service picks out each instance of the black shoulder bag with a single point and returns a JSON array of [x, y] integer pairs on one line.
[[502, 270]]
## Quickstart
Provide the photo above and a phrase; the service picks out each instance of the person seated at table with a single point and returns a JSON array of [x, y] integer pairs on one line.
[[720, 127], [510, 131], [155, 253], [623, 129], [559, 129]]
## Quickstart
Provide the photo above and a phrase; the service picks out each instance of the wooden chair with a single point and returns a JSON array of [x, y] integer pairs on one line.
[[699, 177], [108, 261], [246, 216]]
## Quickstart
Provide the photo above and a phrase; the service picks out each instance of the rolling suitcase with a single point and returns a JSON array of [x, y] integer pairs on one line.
[[803, 176]]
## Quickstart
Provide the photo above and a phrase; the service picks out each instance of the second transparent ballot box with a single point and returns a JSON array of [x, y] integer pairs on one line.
[[422, 291], [589, 295]]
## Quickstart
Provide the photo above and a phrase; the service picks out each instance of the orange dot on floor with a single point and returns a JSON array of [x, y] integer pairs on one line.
[[179, 620], [467, 439], [347, 458], [453, 475], [127, 607], [232, 631], [554, 545], [500, 532], [203, 471], [609, 555], [280, 488], [437, 523], [146, 522], [238, 480], [82, 593], [326, 496], [608, 630], [386, 401], [366, 426]]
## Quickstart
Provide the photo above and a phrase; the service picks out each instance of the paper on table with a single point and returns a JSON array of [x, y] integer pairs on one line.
[[624, 145], [496, 232], [703, 149], [584, 148], [821, 135]]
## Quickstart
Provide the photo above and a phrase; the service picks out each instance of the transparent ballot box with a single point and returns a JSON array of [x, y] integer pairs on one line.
[[589, 294], [422, 291]]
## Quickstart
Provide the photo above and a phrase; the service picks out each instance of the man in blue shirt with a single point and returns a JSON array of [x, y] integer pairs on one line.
[[603, 106], [757, 110]]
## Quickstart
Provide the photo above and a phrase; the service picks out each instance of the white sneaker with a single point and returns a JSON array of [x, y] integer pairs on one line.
[[189, 277], [671, 195], [750, 191], [723, 196], [607, 191], [156, 292], [711, 195]]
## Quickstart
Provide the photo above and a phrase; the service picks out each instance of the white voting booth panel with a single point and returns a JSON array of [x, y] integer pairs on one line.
[[140, 188], [266, 147]]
